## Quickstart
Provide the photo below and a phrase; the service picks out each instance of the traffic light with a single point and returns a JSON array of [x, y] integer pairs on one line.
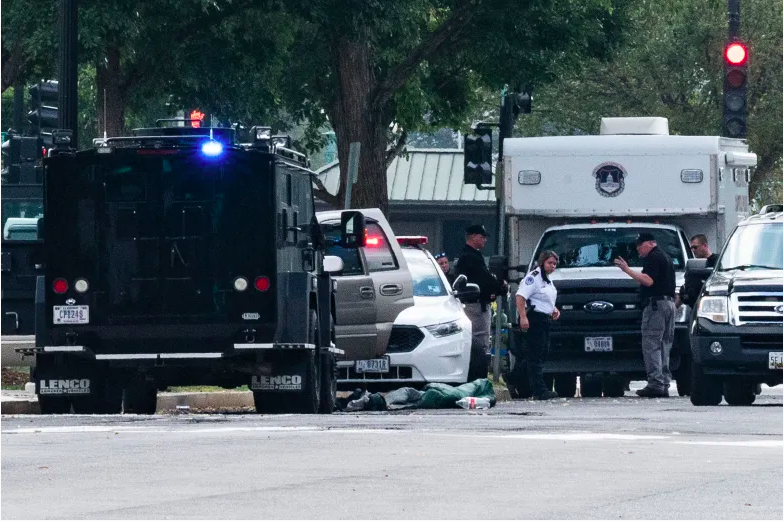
[[20, 156], [477, 157], [736, 68], [43, 113]]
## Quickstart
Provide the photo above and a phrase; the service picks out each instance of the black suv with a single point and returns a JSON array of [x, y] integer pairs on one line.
[[736, 331]]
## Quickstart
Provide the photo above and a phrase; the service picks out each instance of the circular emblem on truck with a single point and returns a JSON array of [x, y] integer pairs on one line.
[[609, 179], [598, 306]]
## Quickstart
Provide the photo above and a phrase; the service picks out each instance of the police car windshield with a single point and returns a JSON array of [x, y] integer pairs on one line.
[[590, 247], [424, 273], [754, 246]]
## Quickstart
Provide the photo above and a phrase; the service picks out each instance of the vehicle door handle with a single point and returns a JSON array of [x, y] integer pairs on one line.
[[391, 289], [366, 292]]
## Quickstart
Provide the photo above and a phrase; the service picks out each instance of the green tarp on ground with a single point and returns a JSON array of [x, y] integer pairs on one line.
[[444, 396]]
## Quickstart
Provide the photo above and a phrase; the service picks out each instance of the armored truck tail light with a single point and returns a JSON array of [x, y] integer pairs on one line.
[[240, 283], [60, 286], [81, 285], [262, 283]]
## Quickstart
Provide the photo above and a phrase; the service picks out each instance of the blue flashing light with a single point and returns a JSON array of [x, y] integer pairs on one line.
[[212, 148]]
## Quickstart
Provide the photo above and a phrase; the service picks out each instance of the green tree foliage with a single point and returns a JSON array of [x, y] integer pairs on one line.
[[671, 65]]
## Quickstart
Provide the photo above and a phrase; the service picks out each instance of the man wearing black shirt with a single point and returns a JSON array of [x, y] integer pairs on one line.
[[693, 284], [657, 289], [471, 263]]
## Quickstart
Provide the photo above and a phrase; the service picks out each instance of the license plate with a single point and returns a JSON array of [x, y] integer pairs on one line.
[[775, 360], [377, 365], [598, 343], [71, 314]]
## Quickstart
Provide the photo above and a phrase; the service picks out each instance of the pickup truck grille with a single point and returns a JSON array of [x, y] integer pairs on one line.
[[757, 308], [761, 342], [578, 316]]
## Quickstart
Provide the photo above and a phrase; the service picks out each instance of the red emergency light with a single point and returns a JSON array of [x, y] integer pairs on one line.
[[412, 240], [735, 53], [372, 241], [196, 118]]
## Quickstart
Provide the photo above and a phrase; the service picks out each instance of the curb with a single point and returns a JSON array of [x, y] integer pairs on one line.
[[168, 402]]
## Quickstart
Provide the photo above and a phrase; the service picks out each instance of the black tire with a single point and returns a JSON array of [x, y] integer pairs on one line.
[[268, 403], [52, 405], [739, 392], [477, 366], [566, 385], [683, 375], [140, 399], [329, 384], [590, 385], [310, 397], [614, 386], [705, 389]]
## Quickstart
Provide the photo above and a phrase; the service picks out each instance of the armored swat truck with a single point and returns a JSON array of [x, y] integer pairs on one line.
[[178, 256]]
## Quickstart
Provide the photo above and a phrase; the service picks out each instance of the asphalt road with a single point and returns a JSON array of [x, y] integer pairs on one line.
[[585, 459]]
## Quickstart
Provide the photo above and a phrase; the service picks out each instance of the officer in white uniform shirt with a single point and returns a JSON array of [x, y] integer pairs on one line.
[[536, 307]]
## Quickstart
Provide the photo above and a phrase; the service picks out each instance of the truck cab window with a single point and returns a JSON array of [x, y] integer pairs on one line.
[[20, 219]]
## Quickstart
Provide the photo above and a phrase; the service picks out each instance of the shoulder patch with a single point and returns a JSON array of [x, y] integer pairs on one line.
[[529, 280]]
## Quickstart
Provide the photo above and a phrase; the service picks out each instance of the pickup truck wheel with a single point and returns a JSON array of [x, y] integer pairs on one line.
[[683, 375], [566, 385], [140, 399], [590, 385], [739, 392], [52, 405], [705, 388], [614, 386]]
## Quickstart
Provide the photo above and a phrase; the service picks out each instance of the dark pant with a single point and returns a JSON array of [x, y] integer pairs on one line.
[[537, 343]]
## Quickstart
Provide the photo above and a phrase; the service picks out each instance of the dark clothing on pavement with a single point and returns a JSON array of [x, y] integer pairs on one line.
[[693, 285]]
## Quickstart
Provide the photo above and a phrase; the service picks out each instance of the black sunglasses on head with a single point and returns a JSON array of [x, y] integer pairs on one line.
[[440, 255]]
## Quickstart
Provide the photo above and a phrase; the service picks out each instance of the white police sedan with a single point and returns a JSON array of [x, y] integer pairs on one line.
[[430, 341]]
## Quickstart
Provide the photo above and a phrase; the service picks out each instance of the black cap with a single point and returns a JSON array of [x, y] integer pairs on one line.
[[476, 229], [644, 237]]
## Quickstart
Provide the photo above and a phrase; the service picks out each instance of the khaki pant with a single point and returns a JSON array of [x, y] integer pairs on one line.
[[658, 333], [480, 325]]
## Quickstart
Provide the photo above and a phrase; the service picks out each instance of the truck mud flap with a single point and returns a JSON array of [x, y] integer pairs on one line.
[[289, 374]]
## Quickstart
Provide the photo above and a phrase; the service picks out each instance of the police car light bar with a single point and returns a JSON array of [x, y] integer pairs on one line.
[[412, 240]]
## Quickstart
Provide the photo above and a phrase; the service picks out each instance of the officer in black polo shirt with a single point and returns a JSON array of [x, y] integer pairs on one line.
[[471, 263], [657, 290]]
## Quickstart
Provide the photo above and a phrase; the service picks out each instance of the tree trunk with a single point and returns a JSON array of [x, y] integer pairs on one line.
[[354, 121], [109, 82]]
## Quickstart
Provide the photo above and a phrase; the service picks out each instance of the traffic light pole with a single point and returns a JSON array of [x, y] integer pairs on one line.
[[68, 92]]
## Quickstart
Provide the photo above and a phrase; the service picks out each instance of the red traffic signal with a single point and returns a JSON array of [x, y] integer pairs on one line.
[[735, 53], [196, 118]]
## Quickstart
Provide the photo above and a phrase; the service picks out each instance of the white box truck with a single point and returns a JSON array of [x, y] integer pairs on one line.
[[587, 198]]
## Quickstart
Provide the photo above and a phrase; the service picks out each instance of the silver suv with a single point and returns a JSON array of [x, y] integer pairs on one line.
[[372, 289]]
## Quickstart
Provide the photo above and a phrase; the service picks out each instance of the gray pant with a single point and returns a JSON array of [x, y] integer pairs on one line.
[[658, 333], [480, 325]]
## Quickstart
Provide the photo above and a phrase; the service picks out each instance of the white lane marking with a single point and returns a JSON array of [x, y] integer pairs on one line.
[[742, 443], [576, 436]]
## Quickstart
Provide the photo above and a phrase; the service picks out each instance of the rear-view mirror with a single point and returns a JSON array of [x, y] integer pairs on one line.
[[353, 232], [333, 264], [459, 282], [697, 268]]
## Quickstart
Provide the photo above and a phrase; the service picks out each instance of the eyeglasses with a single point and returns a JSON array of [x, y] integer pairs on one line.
[[440, 255]]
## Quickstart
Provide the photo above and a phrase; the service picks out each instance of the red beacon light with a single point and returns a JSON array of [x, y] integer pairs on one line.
[[735, 53], [372, 241], [412, 240]]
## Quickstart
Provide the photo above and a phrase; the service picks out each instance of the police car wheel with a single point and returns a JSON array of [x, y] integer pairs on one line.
[[52, 405], [329, 383], [477, 366]]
